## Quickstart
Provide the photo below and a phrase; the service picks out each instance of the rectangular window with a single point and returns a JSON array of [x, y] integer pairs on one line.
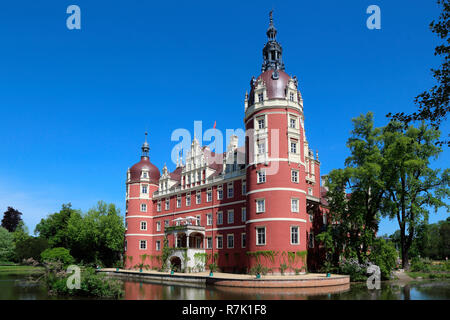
[[230, 241], [260, 97], [244, 214], [158, 206], [230, 190], [294, 235], [188, 199], [144, 189], [209, 219], [292, 123], [261, 176], [158, 226], [199, 176], [261, 147], [261, 123], [143, 244], [260, 236], [219, 192], [166, 223], [230, 216], [294, 176], [158, 245], [219, 244], [294, 205], [260, 205], [209, 243], [244, 187], [291, 96], [209, 195], [143, 225], [197, 220], [293, 147], [243, 240], [198, 197], [143, 207], [219, 217], [310, 191], [167, 204], [178, 201]]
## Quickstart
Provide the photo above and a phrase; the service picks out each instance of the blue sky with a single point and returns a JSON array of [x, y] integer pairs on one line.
[[74, 104]]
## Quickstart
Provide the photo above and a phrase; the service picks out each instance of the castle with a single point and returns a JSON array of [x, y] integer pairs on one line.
[[253, 206]]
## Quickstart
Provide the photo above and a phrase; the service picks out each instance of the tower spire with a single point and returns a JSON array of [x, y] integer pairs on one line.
[[145, 147], [272, 50]]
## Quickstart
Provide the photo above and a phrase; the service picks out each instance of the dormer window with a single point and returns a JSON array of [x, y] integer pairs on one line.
[[291, 96], [144, 175], [260, 97]]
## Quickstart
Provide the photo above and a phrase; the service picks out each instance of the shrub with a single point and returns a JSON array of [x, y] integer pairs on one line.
[[259, 269], [57, 254], [354, 269], [384, 255], [420, 265]]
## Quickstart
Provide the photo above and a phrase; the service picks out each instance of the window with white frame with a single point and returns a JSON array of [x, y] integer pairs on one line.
[[158, 206], [230, 241], [260, 97], [199, 176], [293, 146], [260, 236], [291, 96], [198, 197], [143, 244], [293, 122], [261, 145], [144, 189], [209, 219], [197, 220], [179, 201], [261, 176], [294, 235], [260, 205], [144, 174], [158, 245], [294, 176], [143, 207], [219, 217], [209, 195], [188, 199], [230, 190], [243, 214], [143, 225], [310, 191], [243, 240], [219, 243], [219, 192], [230, 216], [261, 122], [244, 187], [208, 242], [167, 204], [294, 205], [158, 226], [166, 223]]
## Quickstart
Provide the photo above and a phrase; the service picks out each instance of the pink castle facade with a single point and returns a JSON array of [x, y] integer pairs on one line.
[[260, 204]]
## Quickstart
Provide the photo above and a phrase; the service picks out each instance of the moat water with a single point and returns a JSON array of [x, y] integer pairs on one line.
[[18, 287]]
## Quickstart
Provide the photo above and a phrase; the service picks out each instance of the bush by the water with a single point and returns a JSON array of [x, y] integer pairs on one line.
[[357, 271], [57, 254], [92, 284]]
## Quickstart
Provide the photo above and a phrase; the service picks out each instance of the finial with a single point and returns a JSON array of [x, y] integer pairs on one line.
[[145, 147], [271, 16]]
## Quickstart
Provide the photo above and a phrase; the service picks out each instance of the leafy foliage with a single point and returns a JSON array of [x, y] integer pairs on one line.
[[6, 245], [57, 255], [11, 219]]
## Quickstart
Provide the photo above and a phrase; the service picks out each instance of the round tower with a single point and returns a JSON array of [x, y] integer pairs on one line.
[[275, 151], [142, 181]]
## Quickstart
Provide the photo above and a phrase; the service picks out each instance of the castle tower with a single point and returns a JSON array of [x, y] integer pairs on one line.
[[142, 181], [275, 158]]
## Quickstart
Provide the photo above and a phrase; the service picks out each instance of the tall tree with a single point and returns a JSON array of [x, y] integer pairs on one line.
[[11, 219], [6, 245], [54, 227], [433, 105], [411, 185]]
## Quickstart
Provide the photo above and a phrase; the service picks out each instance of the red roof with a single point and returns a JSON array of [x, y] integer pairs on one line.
[[136, 170]]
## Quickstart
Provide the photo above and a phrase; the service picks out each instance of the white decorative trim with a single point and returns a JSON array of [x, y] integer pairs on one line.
[[276, 189], [138, 217], [202, 208], [143, 235], [275, 219], [225, 228]]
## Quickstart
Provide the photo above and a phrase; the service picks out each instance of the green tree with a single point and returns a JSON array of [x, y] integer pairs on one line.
[[384, 255], [97, 237], [411, 185], [31, 247], [433, 105], [6, 245], [57, 254], [11, 219], [54, 227]]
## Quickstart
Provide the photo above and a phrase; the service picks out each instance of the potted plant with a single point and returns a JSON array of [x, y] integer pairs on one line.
[[327, 268], [212, 269]]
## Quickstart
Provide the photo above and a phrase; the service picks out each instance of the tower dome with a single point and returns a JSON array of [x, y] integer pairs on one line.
[[137, 170]]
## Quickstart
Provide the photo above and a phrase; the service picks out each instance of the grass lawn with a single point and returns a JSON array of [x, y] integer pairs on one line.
[[429, 275], [16, 269]]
